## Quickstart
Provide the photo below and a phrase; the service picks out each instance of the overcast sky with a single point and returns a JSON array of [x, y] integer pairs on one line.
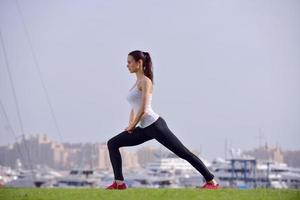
[[223, 70]]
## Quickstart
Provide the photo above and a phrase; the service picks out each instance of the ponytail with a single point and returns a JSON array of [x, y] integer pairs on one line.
[[147, 68]]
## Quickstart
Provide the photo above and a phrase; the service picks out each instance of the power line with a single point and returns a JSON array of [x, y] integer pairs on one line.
[[38, 70], [12, 130], [16, 101]]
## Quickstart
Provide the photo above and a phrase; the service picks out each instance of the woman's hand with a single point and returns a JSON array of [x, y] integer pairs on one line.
[[129, 128]]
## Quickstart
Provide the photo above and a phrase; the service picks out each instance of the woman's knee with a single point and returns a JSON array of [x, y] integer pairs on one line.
[[111, 143], [117, 140]]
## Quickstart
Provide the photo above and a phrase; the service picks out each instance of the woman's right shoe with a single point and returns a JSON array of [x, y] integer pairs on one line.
[[115, 186]]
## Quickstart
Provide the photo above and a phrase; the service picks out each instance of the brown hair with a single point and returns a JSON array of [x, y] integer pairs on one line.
[[147, 62]]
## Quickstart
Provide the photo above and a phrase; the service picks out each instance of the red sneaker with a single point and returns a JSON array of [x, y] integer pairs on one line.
[[210, 186], [115, 186]]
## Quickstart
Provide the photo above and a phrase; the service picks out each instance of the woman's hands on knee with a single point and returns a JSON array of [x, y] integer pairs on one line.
[[129, 128]]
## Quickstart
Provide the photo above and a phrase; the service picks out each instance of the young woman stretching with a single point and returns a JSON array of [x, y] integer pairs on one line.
[[150, 125]]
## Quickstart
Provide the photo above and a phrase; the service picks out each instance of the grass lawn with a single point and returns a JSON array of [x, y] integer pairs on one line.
[[146, 193]]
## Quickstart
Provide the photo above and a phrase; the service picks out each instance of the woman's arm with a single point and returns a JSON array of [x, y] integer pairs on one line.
[[131, 116]]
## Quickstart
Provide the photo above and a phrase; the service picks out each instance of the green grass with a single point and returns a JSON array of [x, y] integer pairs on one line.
[[146, 193]]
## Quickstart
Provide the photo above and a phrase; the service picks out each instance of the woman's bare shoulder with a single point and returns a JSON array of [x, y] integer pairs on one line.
[[145, 82]]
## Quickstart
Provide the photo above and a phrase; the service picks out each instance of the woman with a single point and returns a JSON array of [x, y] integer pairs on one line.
[[150, 124]]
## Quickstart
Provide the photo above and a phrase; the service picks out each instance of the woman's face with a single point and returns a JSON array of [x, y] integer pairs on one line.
[[132, 65]]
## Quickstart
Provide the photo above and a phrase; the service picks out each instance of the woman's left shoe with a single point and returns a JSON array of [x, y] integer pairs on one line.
[[115, 186], [210, 186]]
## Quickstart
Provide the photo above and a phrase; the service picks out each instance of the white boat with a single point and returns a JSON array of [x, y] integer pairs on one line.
[[265, 174], [79, 178]]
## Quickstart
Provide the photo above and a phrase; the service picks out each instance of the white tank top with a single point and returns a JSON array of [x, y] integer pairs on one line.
[[134, 97]]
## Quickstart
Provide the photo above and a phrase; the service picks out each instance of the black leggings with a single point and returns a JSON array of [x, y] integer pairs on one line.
[[160, 131]]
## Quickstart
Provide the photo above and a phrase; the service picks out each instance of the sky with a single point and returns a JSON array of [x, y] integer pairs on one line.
[[226, 73]]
